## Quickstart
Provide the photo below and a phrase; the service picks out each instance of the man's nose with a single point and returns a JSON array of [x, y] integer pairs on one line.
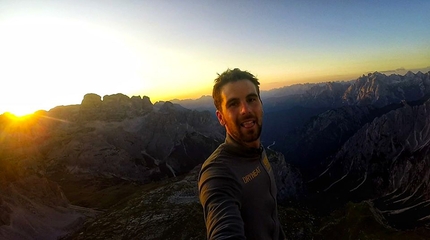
[[244, 108]]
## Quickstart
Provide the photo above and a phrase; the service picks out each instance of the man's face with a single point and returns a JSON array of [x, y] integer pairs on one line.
[[241, 112]]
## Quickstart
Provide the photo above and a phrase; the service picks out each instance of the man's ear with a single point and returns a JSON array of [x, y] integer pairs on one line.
[[220, 117]]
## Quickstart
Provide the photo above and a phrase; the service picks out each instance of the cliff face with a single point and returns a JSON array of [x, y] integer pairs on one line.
[[386, 160], [289, 180]]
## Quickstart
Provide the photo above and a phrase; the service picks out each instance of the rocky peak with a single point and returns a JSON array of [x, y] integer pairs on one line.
[[91, 100], [115, 107], [169, 107], [380, 90]]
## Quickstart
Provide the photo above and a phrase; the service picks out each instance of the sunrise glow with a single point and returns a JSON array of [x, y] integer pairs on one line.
[[54, 53]]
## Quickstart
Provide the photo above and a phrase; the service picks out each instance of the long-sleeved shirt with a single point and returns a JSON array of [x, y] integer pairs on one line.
[[238, 193]]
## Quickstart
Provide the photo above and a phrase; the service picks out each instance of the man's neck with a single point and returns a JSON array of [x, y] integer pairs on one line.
[[253, 145]]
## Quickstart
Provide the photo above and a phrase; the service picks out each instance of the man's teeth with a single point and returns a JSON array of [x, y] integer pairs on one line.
[[248, 124]]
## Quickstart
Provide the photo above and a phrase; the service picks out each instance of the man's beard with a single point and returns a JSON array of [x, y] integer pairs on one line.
[[242, 134]]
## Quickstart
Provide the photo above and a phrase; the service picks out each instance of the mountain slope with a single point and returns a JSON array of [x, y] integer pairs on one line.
[[387, 159]]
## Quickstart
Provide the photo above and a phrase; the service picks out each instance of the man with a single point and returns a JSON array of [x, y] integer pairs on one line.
[[236, 185]]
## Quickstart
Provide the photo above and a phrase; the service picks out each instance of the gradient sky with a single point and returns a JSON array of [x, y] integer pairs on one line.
[[54, 52]]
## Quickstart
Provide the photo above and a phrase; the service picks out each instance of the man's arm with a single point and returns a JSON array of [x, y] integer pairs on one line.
[[219, 195]]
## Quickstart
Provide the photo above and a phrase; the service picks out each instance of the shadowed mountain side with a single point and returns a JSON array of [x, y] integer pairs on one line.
[[35, 208], [143, 148], [324, 134], [387, 159], [289, 181]]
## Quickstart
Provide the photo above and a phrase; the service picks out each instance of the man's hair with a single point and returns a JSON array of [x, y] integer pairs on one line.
[[231, 76]]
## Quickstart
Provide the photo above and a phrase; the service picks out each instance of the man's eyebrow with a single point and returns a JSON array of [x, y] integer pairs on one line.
[[231, 100], [252, 95]]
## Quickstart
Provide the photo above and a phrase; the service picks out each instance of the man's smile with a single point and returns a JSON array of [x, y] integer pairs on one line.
[[248, 124]]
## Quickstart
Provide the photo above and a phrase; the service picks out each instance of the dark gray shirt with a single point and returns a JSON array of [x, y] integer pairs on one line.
[[238, 193]]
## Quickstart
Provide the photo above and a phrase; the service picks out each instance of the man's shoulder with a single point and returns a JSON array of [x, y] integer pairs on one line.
[[217, 169], [218, 156]]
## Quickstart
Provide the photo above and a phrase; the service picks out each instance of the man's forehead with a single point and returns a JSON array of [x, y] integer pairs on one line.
[[236, 89]]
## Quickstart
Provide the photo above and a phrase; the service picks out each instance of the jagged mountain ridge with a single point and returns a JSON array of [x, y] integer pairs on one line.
[[288, 108], [372, 89], [386, 160], [380, 90]]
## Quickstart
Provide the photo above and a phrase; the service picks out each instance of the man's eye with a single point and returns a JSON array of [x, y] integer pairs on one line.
[[233, 104]]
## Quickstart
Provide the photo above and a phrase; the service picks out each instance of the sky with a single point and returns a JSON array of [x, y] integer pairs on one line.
[[54, 52]]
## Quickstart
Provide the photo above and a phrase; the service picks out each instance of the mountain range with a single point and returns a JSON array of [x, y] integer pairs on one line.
[[349, 157]]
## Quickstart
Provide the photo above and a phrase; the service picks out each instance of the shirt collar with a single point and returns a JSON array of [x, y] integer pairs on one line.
[[237, 148]]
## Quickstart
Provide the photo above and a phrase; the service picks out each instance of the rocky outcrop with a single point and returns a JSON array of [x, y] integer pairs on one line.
[[116, 107], [289, 181]]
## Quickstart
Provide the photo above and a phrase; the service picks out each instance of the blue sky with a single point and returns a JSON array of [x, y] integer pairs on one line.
[[54, 52]]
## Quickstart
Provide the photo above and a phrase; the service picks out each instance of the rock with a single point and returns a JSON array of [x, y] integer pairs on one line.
[[115, 107]]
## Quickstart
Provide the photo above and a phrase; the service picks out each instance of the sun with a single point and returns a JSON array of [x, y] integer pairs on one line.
[[20, 113], [46, 62], [21, 106], [18, 117]]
